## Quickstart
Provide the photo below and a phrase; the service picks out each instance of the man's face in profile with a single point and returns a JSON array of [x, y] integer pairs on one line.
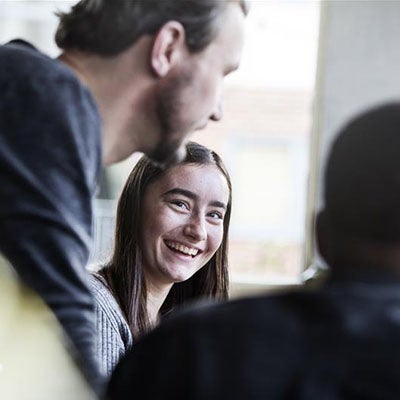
[[192, 94]]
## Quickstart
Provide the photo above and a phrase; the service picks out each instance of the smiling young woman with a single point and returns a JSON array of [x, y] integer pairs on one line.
[[170, 248]]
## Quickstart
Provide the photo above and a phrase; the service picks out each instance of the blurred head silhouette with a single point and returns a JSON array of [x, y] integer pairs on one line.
[[359, 226]]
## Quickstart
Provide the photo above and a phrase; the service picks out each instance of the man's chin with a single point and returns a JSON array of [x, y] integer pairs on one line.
[[166, 155]]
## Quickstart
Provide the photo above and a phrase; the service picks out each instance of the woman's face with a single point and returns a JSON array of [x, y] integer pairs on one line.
[[183, 213]]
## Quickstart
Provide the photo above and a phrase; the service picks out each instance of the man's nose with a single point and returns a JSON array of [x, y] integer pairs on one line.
[[217, 113]]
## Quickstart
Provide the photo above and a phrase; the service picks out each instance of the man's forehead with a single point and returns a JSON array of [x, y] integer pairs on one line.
[[230, 37]]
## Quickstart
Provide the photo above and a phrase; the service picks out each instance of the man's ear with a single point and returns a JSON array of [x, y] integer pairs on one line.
[[169, 42], [323, 236]]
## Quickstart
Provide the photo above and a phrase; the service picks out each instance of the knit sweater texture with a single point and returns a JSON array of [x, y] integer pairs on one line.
[[114, 338]]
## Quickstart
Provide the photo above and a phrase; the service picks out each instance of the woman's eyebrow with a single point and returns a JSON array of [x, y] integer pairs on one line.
[[183, 192], [191, 195], [218, 204]]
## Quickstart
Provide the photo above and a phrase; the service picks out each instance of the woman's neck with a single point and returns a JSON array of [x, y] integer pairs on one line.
[[156, 295]]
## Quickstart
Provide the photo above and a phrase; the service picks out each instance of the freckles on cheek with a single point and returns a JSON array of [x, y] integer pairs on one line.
[[165, 220], [154, 226]]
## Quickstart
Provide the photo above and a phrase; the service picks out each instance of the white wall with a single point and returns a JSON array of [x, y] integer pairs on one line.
[[34, 21]]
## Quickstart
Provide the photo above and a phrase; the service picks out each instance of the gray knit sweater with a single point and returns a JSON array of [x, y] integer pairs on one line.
[[114, 337]]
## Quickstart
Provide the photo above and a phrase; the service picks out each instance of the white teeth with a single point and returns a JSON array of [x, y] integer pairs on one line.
[[182, 248]]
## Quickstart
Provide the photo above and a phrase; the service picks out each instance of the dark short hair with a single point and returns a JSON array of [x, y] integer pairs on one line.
[[124, 273], [362, 178], [108, 27]]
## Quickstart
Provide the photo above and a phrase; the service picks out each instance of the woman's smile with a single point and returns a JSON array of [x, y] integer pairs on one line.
[[181, 248]]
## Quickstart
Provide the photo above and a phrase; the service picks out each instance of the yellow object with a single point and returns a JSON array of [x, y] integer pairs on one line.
[[34, 361]]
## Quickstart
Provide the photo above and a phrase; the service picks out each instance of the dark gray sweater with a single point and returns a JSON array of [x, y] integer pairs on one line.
[[50, 156]]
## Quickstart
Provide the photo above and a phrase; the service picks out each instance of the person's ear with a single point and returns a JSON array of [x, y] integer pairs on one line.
[[323, 236], [168, 44]]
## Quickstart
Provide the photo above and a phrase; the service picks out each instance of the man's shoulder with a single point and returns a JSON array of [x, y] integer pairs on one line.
[[22, 65], [285, 299], [24, 57], [301, 311], [233, 336], [19, 49], [62, 111], [260, 313]]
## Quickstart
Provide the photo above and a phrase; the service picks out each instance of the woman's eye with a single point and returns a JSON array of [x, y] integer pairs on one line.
[[180, 204], [216, 215]]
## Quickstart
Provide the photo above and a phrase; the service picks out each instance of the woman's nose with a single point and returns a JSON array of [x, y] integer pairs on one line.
[[196, 229]]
